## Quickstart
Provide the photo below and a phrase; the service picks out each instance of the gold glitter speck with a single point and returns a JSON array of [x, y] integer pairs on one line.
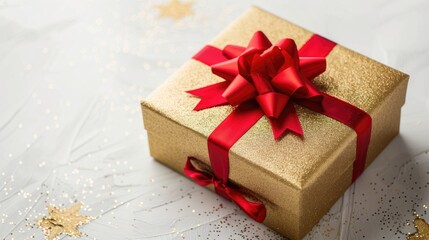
[[175, 9], [422, 230], [62, 221]]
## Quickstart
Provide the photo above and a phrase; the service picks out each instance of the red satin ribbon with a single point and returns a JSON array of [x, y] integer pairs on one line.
[[228, 191], [265, 79]]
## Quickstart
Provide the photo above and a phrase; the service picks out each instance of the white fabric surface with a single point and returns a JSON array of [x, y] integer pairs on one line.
[[72, 75]]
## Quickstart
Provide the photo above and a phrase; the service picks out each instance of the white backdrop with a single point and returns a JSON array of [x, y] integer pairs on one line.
[[72, 75]]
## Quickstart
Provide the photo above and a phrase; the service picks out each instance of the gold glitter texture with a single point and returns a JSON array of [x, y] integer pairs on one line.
[[299, 179], [422, 228], [62, 221], [175, 9]]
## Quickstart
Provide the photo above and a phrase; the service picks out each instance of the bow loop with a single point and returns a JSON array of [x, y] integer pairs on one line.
[[247, 62], [261, 83], [272, 103], [200, 177], [226, 70], [239, 91], [290, 47], [312, 67], [232, 51], [275, 60], [288, 81], [259, 41]]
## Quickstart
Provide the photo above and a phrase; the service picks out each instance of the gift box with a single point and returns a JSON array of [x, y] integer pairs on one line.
[[328, 125]]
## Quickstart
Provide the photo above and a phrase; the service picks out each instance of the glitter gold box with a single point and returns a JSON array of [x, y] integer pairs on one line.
[[299, 179]]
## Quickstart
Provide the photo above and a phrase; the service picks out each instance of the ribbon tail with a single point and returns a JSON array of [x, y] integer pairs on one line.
[[210, 55], [288, 120], [211, 96], [256, 210]]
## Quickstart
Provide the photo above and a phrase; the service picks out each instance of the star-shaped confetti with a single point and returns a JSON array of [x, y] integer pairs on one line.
[[175, 9], [62, 221], [422, 230]]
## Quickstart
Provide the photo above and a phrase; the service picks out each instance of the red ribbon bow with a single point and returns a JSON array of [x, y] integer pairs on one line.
[[273, 75], [265, 79], [255, 210]]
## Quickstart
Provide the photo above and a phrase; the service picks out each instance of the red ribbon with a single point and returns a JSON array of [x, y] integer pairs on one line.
[[228, 191], [265, 79]]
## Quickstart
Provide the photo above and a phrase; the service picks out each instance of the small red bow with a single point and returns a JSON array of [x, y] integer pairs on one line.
[[255, 210], [273, 75]]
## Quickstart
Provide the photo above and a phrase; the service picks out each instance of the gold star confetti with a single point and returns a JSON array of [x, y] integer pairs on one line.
[[62, 221], [422, 230], [175, 9]]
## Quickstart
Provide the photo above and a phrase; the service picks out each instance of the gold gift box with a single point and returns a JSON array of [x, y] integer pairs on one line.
[[299, 179]]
